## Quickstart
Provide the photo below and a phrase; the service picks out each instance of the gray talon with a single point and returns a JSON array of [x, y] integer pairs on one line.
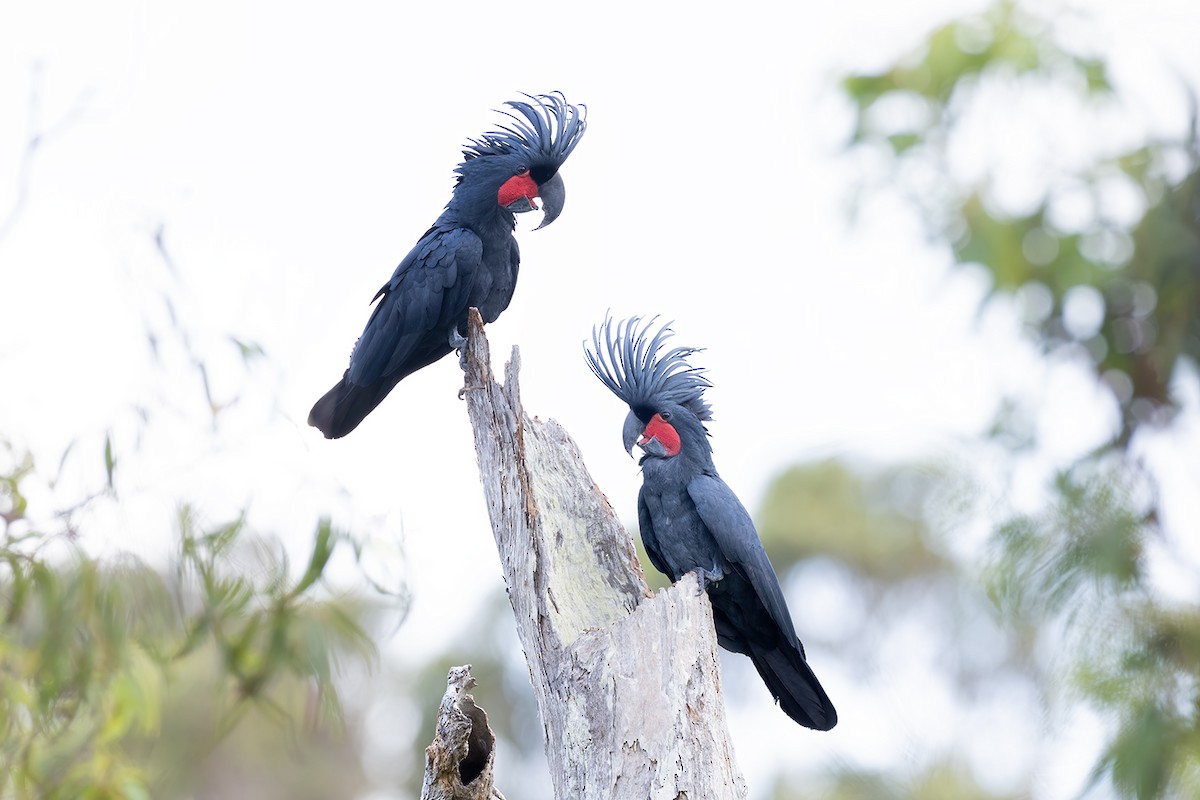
[[710, 576]]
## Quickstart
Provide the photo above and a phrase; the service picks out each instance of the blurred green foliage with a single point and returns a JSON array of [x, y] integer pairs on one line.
[[1105, 257], [224, 671], [122, 681], [1123, 649], [1087, 541], [491, 645], [876, 524], [215, 677], [941, 781], [1099, 248]]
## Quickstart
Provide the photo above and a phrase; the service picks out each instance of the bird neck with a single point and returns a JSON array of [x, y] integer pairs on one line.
[[679, 469], [487, 220]]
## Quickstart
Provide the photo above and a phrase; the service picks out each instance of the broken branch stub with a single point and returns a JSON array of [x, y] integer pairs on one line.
[[627, 684], [458, 764]]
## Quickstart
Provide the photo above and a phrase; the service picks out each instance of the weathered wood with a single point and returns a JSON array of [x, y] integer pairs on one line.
[[628, 685], [458, 764]]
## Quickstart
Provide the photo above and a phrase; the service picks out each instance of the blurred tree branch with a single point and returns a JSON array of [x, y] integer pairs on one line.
[[38, 137], [627, 684]]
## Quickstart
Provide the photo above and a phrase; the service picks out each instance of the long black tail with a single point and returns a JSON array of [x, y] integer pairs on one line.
[[793, 684], [345, 405]]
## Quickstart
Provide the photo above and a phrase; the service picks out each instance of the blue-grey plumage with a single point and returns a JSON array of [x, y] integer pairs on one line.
[[468, 258], [691, 521]]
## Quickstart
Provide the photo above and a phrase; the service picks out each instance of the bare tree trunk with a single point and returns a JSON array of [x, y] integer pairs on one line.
[[627, 684], [458, 765]]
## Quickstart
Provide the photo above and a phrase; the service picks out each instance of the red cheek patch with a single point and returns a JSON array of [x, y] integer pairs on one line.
[[667, 436], [515, 188]]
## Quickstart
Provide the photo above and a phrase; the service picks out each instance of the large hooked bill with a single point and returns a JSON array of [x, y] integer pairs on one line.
[[522, 205], [651, 446], [554, 194]]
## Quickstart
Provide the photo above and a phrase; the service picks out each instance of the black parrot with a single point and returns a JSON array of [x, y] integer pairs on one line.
[[691, 521], [469, 258]]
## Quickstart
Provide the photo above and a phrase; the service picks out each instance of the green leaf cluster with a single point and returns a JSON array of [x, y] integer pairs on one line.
[[949, 64], [875, 524], [1114, 286], [102, 661], [1132, 654], [943, 780], [1124, 295]]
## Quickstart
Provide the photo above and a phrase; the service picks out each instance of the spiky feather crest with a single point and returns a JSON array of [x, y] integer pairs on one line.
[[626, 359], [547, 130]]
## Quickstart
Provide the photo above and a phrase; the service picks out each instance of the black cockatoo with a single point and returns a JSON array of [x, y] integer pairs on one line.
[[469, 258], [691, 521]]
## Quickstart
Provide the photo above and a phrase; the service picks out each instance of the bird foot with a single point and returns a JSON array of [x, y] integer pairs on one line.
[[463, 391], [459, 343], [708, 576]]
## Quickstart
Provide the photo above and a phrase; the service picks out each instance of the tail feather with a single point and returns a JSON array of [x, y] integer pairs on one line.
[[792, 682], [343, 407]]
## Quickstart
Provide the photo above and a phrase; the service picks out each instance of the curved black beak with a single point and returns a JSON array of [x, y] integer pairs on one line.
[[553, 194], [632, 431], [521, 205]]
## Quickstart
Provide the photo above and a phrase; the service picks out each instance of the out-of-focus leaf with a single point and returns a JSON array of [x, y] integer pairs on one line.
[[250, 351], [954, 70], [903, 141], [827, 510], [1089, 539], [110, 461], [1096, 72], [218, 540], [13, 504], [1105, 265], [323, 545], [942, 780], [97, 658], [213, 406], [1140, 758]]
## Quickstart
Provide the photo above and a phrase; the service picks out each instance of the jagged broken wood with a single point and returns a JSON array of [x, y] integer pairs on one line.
[[627, 684], [458, 764]]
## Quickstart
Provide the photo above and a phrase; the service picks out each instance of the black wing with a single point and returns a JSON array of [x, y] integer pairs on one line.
[[426, 296], [730, 524], [768, 639], [409, 328], [650, 539]]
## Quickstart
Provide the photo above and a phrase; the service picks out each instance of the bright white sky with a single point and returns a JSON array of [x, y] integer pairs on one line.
[[294, 154]]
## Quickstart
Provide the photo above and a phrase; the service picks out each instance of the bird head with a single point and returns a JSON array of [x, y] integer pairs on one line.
[[665, 394], [513, 167]]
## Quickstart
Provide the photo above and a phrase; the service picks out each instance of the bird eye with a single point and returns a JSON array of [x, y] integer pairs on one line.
[[666, 415], [521, 170]]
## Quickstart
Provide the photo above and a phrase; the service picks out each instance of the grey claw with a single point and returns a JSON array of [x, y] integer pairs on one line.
[[462, 393], [459, 343], [708, 576]]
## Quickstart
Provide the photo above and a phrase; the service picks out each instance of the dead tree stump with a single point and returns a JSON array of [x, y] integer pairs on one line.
[[628, 684]]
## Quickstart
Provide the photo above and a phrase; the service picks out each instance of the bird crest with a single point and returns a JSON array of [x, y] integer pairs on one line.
[[545, 129], [625, 357]]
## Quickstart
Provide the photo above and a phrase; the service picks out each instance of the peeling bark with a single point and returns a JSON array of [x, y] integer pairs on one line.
[[628, 684], [458, 765]]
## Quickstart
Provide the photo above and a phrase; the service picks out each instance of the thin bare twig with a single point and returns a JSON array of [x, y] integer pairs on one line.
[[39, 136]]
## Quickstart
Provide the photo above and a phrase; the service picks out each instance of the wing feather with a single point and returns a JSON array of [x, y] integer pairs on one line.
[[650, 538], [427, 294], [730, 524]]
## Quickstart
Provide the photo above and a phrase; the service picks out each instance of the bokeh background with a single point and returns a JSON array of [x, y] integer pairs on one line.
[[944, 258]]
